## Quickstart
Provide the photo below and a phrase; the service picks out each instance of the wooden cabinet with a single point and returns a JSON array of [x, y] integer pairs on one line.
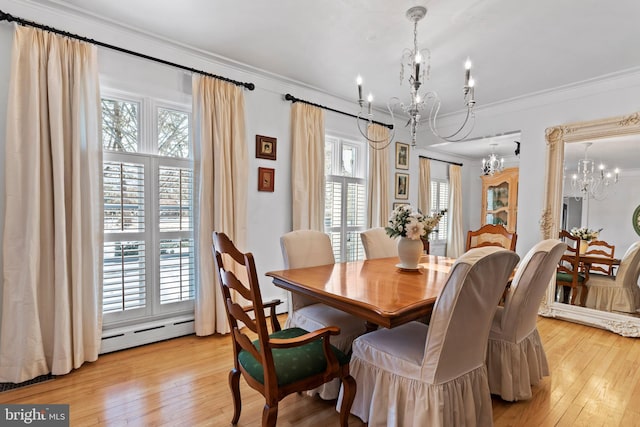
[[500, 198]]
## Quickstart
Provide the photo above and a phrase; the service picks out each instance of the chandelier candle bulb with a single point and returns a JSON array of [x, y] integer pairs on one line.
[[467, 71], [418, 60], [370, 100], [359, 83]]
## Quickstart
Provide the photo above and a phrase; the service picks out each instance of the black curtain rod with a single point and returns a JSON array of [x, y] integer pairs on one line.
[[293, 99], [9, 18], [438, 160]]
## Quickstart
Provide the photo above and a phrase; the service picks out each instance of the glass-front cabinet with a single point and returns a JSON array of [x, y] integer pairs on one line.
[[500, 198]]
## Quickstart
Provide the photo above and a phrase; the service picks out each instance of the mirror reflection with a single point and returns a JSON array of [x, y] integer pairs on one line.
[[600, 194]]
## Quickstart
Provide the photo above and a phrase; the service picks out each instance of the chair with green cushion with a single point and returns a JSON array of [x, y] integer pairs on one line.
[[569, 274], [277, 364]]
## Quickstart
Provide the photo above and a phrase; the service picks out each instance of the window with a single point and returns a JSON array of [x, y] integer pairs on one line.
[[345, 197], [440, 201], [148, 209]]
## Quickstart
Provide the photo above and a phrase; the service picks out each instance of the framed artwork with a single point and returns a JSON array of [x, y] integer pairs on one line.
[[402, 186], [402, 155], [398, 204], [266, 177], [265, 147]]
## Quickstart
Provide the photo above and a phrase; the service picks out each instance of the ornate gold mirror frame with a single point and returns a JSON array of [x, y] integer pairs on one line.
[[556, 138]]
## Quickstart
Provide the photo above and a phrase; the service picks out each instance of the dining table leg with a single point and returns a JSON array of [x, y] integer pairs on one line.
[[370, 326]]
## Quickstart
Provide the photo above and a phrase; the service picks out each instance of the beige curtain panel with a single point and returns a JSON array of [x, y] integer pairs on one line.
[[455, 237], [221, 162], [424, 195], [307, 167], [52, 308], [379, 211]]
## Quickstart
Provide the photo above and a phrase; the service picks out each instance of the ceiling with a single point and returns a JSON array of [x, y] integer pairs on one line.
[[517, 47]]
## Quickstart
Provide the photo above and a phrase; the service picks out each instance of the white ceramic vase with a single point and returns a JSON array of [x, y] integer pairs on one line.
[[584, 245], [409, 252]]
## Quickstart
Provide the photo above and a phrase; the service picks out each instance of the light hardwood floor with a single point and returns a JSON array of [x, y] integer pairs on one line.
[[595, 381]]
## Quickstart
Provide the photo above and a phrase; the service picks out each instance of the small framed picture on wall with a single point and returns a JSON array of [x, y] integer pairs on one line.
[[265, 147], [266, 178], [398, 204], [402, 186], [402, 155]]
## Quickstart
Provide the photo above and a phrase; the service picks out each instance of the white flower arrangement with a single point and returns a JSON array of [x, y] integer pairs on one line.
[[412, 224], [585, 233]]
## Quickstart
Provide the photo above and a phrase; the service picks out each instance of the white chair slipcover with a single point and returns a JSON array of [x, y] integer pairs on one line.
[[377, 244], [419, 375], [309, 248], [515, 356], [619, 293]]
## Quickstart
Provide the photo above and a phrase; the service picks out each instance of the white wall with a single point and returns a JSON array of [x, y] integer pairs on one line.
[[612, 96], [613, 214], [268, 114]]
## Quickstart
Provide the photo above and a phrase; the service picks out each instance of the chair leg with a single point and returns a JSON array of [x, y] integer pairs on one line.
[[234, 384], [574, 294], [349, 393], [269, 415], [583, 295]]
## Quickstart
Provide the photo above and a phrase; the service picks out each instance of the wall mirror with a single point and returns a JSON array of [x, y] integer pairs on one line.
[[615, 142]]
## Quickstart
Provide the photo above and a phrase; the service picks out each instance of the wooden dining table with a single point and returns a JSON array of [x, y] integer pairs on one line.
[[375, 290], [588, 260]]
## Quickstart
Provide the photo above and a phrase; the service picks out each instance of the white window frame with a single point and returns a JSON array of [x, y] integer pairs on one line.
[[147, 156], [437, 208], [335, 175]]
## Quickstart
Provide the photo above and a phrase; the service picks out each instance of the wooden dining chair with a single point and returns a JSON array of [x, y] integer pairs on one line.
[[569, 273], [491, 235], [603, 249], [283, 362]]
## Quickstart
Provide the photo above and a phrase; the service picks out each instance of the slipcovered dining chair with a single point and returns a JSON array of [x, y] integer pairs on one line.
[[569, 273], [377, 244], [619, 293], [277, 364], [491, 235], [603, 249], [435, 375], [309, 248], [515, 356]]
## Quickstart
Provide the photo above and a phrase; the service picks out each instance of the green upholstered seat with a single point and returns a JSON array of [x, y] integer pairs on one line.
[[292, 364], [567, 277]]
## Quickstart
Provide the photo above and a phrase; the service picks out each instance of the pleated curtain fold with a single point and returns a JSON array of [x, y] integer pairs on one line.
[[52, 246], [221, 163], [378, 195], [307, 167], [424, 193], [455, 237]]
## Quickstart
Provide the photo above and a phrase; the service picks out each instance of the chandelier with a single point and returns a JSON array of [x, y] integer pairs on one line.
[[492, 165], [418, 63], [589, 183]]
